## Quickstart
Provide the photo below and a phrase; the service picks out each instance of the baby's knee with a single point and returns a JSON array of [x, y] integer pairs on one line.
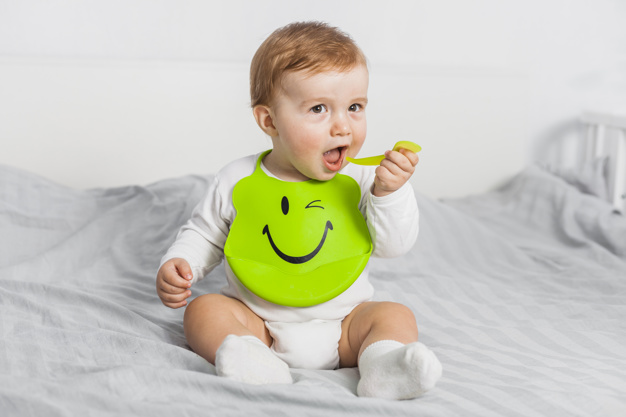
[[205, 300], [395, 313], [205, 305]]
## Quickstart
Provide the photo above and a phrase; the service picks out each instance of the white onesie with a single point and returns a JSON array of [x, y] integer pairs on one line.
[[304, 337]]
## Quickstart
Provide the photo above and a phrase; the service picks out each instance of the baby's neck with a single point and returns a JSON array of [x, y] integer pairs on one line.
[[274, 171]]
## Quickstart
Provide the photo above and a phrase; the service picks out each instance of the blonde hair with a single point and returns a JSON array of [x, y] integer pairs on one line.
[[313, 47]]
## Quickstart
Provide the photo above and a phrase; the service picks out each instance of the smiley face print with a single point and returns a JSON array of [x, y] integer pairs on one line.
[[297, 243]]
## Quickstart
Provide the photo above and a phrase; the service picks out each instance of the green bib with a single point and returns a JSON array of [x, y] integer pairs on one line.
[[297, 244]]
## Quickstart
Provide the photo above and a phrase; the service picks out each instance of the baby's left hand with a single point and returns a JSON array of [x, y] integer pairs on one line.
[[394, 171]]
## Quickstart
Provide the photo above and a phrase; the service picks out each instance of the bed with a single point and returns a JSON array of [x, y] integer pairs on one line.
[[520, 291]]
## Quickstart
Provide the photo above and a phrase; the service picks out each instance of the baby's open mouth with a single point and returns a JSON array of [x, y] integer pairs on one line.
[[334, 158]]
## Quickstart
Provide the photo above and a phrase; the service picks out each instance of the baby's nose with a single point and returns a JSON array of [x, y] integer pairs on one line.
[[340, 126]]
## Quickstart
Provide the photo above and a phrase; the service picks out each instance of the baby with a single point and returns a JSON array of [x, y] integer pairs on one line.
[[297, 225]]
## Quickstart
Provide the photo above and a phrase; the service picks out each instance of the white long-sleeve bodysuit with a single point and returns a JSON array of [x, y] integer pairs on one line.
[[392, 221]]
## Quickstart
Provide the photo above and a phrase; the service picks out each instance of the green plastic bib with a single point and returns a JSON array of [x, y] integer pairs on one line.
[[297, 243]]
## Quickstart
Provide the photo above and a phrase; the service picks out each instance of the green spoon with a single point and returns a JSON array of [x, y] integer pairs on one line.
[[376, 160]]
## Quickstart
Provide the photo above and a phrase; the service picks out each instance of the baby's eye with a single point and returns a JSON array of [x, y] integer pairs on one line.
[[320, 108], [355, 107]]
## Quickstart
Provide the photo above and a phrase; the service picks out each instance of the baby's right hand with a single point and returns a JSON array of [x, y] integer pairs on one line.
[[173, 283]]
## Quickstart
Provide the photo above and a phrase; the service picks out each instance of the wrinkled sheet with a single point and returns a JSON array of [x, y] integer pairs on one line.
[[521, 293]]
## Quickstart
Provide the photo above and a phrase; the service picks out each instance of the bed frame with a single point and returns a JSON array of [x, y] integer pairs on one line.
[[606, 136]]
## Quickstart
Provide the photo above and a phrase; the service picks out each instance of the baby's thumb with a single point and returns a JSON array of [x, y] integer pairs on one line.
[[184, 270]]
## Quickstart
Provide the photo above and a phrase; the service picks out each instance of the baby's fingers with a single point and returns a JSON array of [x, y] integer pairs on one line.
[[167, 288], [403, 159], [173, 283], [175, 280], [174, 304], [174, 299], [177, 273], [411, 156], [183, 268]]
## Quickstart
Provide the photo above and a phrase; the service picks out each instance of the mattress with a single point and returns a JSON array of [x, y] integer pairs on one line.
[[521, 293]]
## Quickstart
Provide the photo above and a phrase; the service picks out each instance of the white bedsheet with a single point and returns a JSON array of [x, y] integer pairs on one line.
[[521, 293]]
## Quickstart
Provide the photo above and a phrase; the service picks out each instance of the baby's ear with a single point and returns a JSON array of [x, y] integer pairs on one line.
[[263, 117]]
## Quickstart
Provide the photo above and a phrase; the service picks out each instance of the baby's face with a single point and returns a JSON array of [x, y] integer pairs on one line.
[[319, 119]]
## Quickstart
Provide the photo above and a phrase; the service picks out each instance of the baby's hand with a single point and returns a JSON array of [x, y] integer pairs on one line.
[[394, 171], [173, 283]]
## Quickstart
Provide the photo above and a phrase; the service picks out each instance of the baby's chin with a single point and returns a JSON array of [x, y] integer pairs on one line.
[[326, 175], [323, 172]]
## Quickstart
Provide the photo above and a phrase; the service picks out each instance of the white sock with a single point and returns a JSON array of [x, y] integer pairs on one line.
[[248, 359], [395, 371]]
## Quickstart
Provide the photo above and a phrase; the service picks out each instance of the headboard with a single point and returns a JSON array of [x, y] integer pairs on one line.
[[606, 137], [94, 123]]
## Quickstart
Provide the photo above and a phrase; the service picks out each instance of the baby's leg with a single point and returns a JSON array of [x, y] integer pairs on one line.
[[228, 334], [382, 339]]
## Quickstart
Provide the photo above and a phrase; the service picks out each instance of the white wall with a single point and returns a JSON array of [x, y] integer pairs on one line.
[[573, 52]]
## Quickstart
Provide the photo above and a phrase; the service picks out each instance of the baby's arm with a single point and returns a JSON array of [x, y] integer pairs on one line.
[[394, 171], [393, 216], [196, 251]]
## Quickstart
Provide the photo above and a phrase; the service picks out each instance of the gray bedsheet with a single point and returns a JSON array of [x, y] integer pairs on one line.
[[520, 292]]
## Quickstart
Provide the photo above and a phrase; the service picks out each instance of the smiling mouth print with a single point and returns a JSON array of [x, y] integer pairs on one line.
[[297, 259]]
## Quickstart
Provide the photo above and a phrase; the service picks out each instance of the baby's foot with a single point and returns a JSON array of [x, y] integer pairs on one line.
[[247, 359], [395, 371]]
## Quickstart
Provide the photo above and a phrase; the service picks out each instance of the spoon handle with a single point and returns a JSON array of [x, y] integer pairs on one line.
[[370, 160], [376, 160]]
